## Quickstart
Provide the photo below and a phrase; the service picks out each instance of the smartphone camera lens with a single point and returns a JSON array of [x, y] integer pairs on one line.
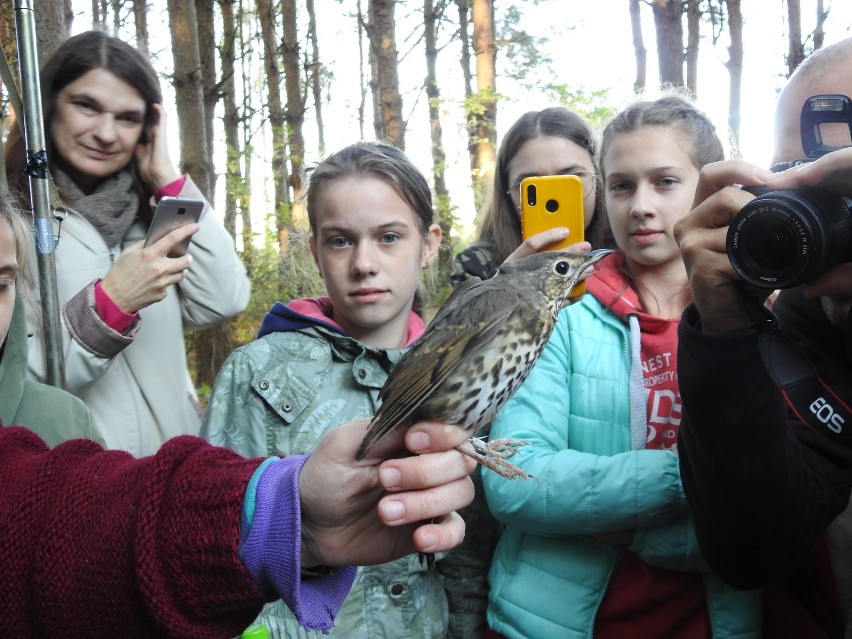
[[551, 206], [181, 211], [531, 199]]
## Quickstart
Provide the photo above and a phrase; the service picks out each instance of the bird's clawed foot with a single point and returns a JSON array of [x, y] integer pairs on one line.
[[494, 454]]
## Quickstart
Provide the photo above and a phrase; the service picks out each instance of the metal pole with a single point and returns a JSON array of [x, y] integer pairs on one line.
[[39, 190]]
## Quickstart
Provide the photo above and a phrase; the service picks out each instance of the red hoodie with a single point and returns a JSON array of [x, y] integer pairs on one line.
[[658, 350]]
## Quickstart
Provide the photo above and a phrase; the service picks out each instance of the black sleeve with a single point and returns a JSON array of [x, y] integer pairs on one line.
[[761, 486]]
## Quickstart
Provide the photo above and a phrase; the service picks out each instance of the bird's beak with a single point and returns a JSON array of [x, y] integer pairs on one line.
[[590, 258], [597, 255]]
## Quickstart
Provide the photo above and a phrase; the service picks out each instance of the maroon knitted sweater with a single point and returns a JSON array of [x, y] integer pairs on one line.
[[96, 543]]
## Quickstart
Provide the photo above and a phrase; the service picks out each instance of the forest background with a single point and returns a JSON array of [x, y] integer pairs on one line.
[[281, 83]]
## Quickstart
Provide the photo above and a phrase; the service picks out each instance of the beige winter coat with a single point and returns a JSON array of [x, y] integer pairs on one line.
[[137, 384]]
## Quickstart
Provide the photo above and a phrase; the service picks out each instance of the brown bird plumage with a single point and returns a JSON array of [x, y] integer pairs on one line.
[[479, 349]]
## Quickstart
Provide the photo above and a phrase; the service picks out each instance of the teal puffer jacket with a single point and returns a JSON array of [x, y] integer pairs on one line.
[[549, 574], [278, 395]]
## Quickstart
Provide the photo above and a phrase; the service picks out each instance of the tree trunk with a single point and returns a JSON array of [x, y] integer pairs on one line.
[[735, 67], [668, 15], [246, 124], [314, 74], [362, 80], [209, 81], [470, 119], [283, 221], [140, 20], [294, 115], [99, 14], [207, 43], [116, 15], [210, 346], [795, 48], [189, 97], [819, 29], [485, 49], [381, 33], [693, 38], [231, 121], [443, 206], [8, 43], [638, 46], [52, 25]]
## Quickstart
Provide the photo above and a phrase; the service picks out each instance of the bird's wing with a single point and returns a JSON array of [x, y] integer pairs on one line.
[[451, 335], [458, 292]]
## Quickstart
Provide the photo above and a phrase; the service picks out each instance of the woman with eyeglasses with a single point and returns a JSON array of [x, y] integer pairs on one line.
[[553, 141]]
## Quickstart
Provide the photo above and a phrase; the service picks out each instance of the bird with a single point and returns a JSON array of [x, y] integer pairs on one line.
[[478, 349]]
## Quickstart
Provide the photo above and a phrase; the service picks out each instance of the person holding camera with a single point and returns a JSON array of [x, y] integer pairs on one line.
[[765, 456]]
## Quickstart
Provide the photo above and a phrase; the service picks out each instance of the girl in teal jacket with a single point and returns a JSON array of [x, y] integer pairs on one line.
[[318, 363], [600, 544]]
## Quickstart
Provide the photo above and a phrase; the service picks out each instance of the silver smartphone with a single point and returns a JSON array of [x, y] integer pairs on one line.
[[172, 213]]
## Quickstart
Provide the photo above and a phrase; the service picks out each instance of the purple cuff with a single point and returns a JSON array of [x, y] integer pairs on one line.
[[272, 549]]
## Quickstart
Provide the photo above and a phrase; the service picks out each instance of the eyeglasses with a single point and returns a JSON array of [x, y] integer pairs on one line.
[[590, 181]]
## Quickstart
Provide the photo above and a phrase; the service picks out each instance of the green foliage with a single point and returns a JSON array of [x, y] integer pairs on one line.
[[478, 103], [276, 277], [592, 105], [523, 53]]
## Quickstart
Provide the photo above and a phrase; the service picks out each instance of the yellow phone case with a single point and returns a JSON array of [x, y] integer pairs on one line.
[[550, 201]]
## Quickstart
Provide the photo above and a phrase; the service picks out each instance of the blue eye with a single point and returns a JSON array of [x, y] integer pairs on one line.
[[338, 242]]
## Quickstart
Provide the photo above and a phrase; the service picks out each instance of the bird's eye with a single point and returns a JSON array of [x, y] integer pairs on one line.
[[562, 268]]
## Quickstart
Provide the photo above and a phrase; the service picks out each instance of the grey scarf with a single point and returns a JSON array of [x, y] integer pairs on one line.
[[111, 207]]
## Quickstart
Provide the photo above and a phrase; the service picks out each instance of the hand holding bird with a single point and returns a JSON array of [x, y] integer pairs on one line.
[[479, 349]]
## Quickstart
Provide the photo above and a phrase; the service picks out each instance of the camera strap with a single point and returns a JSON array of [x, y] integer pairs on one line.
[[808, 396]]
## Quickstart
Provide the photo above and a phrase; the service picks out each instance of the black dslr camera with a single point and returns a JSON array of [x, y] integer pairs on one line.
[[784, 238]]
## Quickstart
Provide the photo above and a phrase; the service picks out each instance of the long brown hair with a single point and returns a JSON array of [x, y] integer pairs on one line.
[[501, 227], [74, 58]]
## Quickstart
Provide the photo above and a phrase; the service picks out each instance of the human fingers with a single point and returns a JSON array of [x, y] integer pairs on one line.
[[718, 175], [832, 172], [434, 436], [714, 213], [424, 471], [141, 276], [173, 239], [155, 163], [579, 247], [440, 535], [836, 281], [538, 242], [398, 509]]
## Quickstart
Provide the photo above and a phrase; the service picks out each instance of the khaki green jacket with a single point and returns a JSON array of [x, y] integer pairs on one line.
[[279, 395], [51, 413]]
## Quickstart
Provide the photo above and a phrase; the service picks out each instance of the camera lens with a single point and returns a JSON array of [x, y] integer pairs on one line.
[[774, 245], [784, 238]]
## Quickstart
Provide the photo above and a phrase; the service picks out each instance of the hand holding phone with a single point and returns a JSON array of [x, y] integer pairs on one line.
[[552, 201], [172, 213]]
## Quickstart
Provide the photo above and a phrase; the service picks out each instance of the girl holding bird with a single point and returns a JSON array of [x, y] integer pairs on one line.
[[321, 362]]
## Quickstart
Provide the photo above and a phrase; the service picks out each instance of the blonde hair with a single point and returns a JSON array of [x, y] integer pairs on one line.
[[23, 235]]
